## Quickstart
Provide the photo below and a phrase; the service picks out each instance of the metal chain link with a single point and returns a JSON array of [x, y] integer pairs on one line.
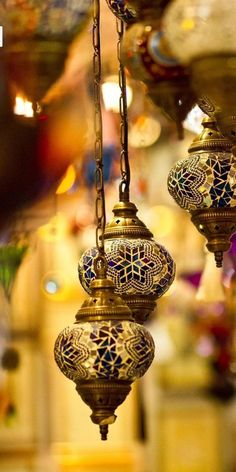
[[124, 156], [98, 146]]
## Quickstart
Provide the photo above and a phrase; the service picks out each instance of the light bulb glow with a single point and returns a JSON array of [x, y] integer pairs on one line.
[[23, 107], [111, 94]]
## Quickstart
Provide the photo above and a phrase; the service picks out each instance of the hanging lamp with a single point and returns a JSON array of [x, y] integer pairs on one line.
[[205, 185], [36, 39], [141, 269], [202, 35], [104, 351]]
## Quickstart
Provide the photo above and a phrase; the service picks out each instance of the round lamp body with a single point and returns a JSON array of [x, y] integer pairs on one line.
[[204, 180], [112, 350], [136, 266]]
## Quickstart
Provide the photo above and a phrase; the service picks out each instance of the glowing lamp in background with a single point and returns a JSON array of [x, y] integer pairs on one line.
[[111, 94], [36, 39]]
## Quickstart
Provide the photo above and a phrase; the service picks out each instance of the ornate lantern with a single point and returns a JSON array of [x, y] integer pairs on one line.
[[37, 35], [147, 56], [202, 34], [141, 269], [104, 352], [205, 185]]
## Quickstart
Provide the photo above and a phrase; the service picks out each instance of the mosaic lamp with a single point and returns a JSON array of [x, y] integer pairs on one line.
[[36, 39], [141, 269], [104, 351], [204, 184], [147, 56], [202, 35]]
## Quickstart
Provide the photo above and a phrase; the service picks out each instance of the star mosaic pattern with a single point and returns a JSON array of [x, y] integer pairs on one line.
[[205, 180], [104, 350], [137, 267]]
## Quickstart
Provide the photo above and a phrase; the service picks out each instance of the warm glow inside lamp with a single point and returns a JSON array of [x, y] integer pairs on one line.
[[202, 35], [104, 351], [141, 269], [204, 184]]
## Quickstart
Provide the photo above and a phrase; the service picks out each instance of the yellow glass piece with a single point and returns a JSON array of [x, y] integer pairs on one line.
[[67, 181]]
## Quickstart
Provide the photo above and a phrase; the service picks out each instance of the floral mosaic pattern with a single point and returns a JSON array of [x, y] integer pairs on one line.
[[49, 18], [204, 180], [104, 350], [122, 10], [137, 266]]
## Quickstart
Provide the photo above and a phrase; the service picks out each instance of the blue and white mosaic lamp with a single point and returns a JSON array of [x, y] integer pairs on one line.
[[205, 185], [141, 269], [104, 351]]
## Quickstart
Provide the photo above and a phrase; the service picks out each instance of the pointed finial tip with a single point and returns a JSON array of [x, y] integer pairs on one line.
[[103, 431], [219, 258]]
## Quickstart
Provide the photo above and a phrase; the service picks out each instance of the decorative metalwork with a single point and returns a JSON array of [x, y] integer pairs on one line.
[[205, 185]]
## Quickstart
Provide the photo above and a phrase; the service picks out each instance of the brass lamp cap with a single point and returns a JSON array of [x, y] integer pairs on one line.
[[126, 223], [103, 303], [210, 139]]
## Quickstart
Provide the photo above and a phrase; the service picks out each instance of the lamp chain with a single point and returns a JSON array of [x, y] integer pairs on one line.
[[98, 145], [124, 156]]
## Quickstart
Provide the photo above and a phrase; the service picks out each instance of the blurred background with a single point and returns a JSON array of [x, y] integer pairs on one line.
[[181, 416]]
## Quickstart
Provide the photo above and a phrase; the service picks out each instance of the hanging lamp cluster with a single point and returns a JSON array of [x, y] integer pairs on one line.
[[141, 269], [205, 185], [105, 350]]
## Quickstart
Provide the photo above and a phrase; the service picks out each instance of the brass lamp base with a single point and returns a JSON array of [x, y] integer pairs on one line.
[[217, 225], [141, 306], [103, 397]]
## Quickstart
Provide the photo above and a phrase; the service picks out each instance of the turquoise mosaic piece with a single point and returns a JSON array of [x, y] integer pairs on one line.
[[104, 350], [136, 267], [204, 180]]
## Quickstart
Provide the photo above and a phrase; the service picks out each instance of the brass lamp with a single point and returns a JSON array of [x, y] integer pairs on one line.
[[36, 39], [141, 269], [205, 185], [104, 351]]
